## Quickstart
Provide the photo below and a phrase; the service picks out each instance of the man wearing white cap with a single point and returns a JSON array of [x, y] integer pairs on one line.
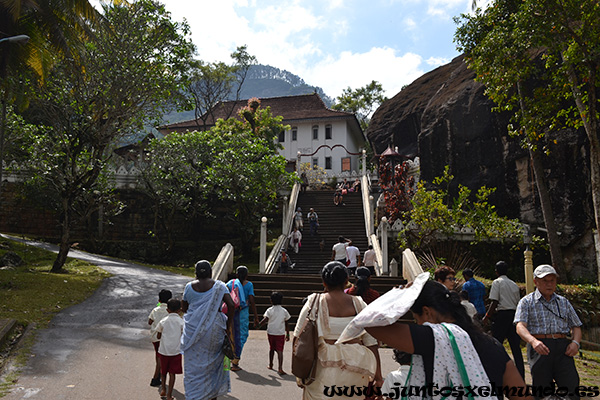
[[544, 319]]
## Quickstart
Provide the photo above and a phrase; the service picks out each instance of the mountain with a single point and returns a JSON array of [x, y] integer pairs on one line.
[[264, 81]]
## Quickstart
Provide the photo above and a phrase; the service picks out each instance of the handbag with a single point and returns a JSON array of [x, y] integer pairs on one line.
[[227, 347], [305, 350], [235, 296]]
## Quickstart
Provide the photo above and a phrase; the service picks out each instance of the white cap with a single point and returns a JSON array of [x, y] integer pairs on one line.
[[543, 270]]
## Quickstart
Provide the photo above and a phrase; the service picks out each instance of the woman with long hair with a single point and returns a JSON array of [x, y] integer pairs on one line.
[[355, 363], [448, 347], [362, 286]]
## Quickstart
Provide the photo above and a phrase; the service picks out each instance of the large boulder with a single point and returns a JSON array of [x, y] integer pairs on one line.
[[445, 118]]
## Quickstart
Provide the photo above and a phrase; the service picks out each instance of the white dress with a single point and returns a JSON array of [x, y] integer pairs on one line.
[[340, 366]]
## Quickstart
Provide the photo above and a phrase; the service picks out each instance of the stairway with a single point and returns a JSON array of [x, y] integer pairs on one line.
[[296, 287], [347, 220]]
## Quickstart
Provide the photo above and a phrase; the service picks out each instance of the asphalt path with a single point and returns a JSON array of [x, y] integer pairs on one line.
[[100, 348]]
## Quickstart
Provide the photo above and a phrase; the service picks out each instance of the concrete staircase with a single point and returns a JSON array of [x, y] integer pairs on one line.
[[344, 220], [296, 287]]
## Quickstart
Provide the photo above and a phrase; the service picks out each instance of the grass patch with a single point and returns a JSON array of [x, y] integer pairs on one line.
[[29, 293]]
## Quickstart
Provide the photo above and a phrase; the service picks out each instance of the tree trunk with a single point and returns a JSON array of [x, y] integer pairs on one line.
[[545, 203], [590, 123], [548, 214], [65, 244]]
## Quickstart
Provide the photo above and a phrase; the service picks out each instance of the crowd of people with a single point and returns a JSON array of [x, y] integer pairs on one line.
[[447, 345]]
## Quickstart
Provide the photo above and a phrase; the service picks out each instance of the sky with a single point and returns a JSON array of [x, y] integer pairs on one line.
[[333, 44]]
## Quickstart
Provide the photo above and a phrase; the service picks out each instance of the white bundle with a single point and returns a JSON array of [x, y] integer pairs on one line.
[[385, 310]]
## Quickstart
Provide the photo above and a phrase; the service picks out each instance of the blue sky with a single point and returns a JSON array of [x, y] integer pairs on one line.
[[333, 44]]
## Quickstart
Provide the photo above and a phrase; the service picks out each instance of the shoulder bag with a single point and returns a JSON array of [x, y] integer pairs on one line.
[[305, 351], [235, 296]]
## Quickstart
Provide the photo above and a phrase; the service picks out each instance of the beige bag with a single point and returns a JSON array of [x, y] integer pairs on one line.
[[306, 347]]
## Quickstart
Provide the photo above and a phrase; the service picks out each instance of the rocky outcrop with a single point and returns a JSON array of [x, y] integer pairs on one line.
[[445, 118]]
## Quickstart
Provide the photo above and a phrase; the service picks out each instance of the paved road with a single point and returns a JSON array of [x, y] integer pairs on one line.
[[100, 349]]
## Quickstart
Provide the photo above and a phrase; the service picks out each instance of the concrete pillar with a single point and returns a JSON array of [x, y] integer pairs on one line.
[[384, 245], [373, 216], [263, 245], [529, 285], [364, 162], [298, 163], [285, 214], [393, 267]]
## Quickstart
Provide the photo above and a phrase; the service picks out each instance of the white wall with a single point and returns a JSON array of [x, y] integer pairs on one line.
[[305, 144]]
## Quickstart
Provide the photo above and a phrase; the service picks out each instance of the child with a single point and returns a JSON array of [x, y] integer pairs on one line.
[[396, 379], [170, 329], [158, 313], [276, 318]]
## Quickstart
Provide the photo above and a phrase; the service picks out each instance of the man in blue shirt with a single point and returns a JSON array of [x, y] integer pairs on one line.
[[476, 292]]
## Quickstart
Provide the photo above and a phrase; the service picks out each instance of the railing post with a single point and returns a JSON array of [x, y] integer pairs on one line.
[[529, 285], [285, 214], [393, 267], [364, 162], [372, 227], [263, 245], [384, 245]]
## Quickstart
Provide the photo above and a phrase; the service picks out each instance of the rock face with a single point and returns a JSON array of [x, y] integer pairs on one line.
[[445, 118]]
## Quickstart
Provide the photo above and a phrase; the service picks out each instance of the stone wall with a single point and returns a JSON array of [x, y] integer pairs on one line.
[[445, 118]]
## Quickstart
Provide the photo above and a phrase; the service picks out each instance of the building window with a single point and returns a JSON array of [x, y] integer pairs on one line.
[[345, 164], [327, 162], [281, 136], [294, 133], [327, 131], [315, 132], [315, 162]]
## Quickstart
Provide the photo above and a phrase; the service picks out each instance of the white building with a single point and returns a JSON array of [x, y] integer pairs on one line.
[[331, 139]]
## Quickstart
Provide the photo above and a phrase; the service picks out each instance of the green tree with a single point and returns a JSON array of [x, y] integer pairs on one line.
[[119, 81], [54, 28], [233, 165], [542, 59], [362, 101], [216, 82], [436, 215]]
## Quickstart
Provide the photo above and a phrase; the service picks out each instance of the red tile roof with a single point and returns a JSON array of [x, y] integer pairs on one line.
[[291, 108]]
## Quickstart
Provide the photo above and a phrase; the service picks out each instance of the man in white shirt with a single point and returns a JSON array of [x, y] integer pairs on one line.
[[369, 260], [505, 296], [339, 250], [353, 254]]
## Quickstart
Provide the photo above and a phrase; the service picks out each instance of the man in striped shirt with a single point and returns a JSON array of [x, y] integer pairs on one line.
[[544, 319]]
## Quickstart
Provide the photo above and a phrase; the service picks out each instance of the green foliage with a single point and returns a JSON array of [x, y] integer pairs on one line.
[[122, 79], [436, 215], [317, 176], [362, 101], [212, 83], [234, 165]]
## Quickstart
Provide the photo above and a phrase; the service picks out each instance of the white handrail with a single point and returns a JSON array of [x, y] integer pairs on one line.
[[223, 265], [271, 263]]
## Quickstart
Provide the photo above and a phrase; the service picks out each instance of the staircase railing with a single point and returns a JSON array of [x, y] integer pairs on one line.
[[282, 241], [369, 223], [223, 265]]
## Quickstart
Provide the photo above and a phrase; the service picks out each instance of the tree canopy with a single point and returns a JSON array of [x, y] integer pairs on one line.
[[234, 165], [540, 59], [362, 101], [123, 78]]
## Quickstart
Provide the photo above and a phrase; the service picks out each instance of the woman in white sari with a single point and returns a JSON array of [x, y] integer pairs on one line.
[[342, 368], [204, 331]]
